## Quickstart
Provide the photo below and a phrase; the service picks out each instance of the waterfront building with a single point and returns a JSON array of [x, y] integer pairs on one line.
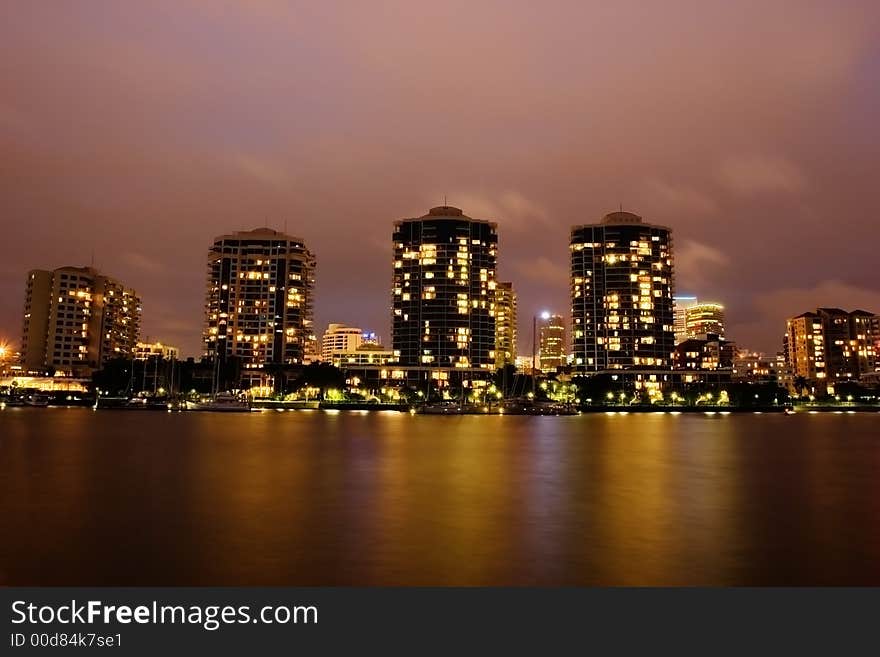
[[621, 294], [443, 294], [551, 342], [680, 305], [704, 318], [757, 367], [76, 319], [832, 345], [364, 354], [259, 302], [505, 324], [710, 352], [145, 350], [340, 338]]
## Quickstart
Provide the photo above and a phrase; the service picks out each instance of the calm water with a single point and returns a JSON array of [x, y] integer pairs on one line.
[[313, 498]]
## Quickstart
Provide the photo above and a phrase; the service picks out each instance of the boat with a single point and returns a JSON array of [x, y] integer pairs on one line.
[[789, 410], [222, 402], [36, 400], [441, 408], [532, 407]]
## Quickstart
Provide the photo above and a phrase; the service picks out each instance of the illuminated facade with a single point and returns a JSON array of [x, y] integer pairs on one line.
[[757, 367], [704, 319], [505, 325], [365, 354], [709, 352], [805, 347], [443, 292], [680, 305], [260, 289], [621, 294], [832, 345], [76, 319], [551, 342], [145, 350], [339, 338]]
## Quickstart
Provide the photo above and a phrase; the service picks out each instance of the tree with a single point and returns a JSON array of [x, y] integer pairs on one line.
[[323, 376]]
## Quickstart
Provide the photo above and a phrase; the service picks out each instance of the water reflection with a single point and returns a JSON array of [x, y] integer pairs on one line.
[[351, 498]]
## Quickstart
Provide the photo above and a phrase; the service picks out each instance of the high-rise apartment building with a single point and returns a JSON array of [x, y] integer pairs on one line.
[[76, 319], [551, 342], [505, 324], [832, 345], [704, 318], [258, 309], [621, 294], [443, 292]]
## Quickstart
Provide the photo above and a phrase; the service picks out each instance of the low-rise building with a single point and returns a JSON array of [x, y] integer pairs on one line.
[[145, 350]]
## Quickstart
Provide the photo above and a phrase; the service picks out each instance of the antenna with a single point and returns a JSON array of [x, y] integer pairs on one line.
[[445, 204]]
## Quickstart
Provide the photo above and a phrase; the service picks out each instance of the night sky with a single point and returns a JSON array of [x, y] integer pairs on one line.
[[139, 131]]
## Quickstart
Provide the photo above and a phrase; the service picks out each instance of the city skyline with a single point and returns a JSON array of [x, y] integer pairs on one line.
[[318, 328], [738, 127]]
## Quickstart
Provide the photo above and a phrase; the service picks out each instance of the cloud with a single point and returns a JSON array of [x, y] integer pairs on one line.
[[545, 271], [142, 262], [762, 324], [511, 209], [751, 175], [262, 170], [679, 198], [694, 261], [788, 302]]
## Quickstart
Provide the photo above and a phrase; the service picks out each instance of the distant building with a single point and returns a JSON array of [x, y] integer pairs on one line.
[[505, 324], [551, 342], [525, 364], [76, 319], [339, 338], [144, 350], [832, 345], [621, 294], [442, 294], [680, 305], [365, 354], [710, 352], [704, 318], [756, 367], [259, 301], [370, 337]]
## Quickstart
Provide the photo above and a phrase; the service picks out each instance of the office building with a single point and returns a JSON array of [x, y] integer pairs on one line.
[[680, 305], [260, 290], [505, 324], [443, 292], [339, 338], [76, 319], [703, 318], [621, 294], [551, 342]]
